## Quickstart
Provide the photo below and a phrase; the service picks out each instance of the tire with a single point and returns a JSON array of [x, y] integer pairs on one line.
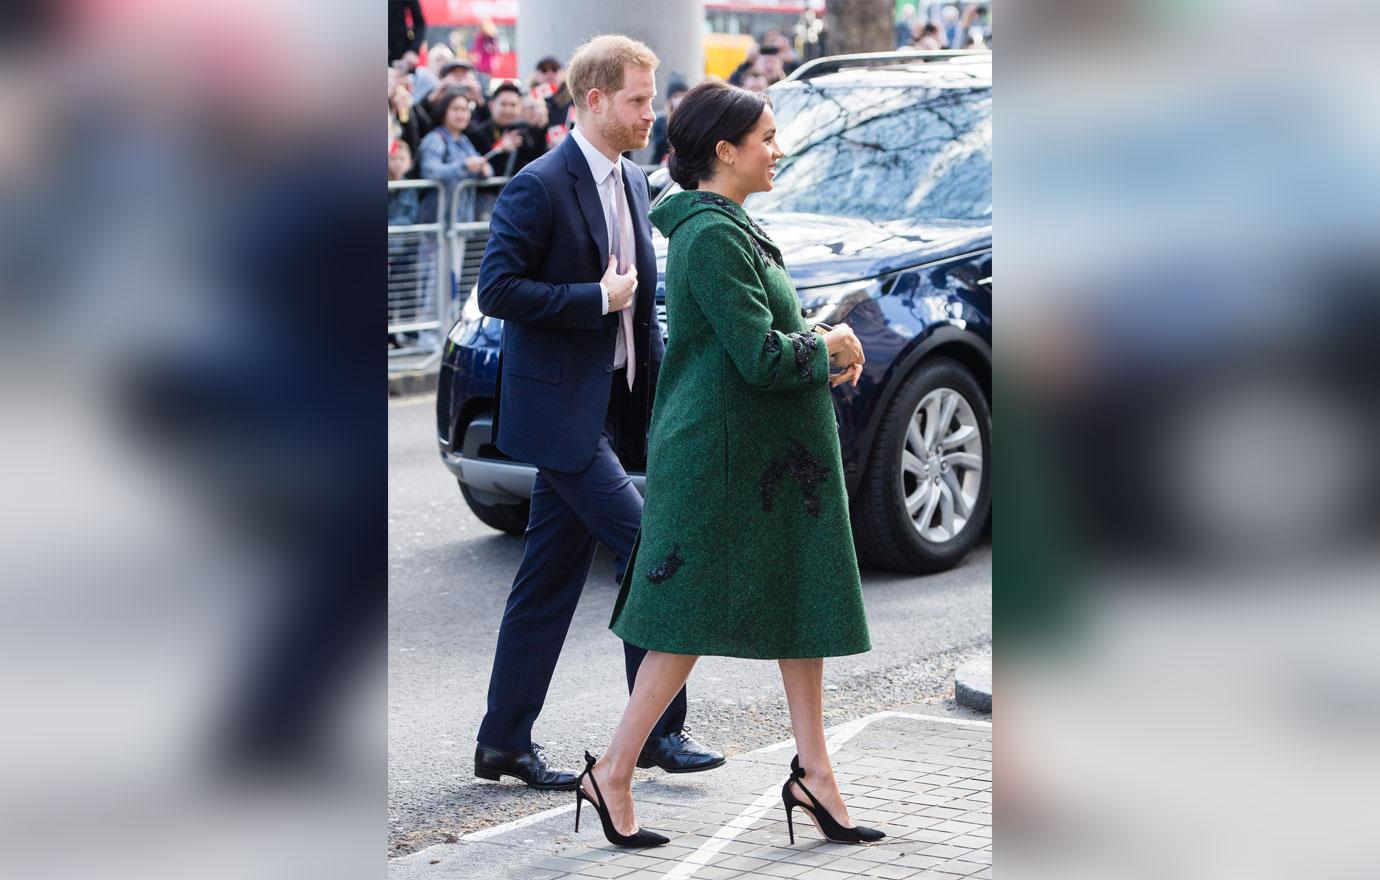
[[886, 534], [509, 518]]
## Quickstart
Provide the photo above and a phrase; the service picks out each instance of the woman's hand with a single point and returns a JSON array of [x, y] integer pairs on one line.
[[475, 164], [844, 348], [851, 375]]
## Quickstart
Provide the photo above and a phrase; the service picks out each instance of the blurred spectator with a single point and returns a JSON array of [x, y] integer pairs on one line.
[[485, 47], [784, 50], [661, 145], [755, 81], [560, 106], [447, 155], [975, 26], [931, 37], [547, 78], [736, 77], [424, 81], [907, 26], [404, 205], [770, 64], [505, 131], [458, 74], [402, 121], [406, 29], [439, 56], [948, 20], [535, 115]]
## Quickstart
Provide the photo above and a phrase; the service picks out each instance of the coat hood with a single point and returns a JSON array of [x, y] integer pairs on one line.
[[676, 208]]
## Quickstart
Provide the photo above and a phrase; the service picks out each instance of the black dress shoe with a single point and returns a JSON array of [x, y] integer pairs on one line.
[[529, 766], [677, 752]]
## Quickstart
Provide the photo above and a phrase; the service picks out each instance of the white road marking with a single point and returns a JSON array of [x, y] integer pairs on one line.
[[520, 823]]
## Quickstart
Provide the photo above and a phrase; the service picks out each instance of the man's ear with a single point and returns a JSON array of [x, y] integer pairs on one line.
[[594, 100]]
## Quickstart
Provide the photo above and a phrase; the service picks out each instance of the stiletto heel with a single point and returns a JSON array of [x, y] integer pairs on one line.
[[639, 838], [831, 828]]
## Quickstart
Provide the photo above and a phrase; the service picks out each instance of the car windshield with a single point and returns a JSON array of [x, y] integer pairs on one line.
[[883, 153]]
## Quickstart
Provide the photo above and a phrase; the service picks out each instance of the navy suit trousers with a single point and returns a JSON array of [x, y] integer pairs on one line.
[[571, 513]]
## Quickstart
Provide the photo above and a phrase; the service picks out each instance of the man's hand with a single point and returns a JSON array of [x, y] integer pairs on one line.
[[620, 287], [510, 141]]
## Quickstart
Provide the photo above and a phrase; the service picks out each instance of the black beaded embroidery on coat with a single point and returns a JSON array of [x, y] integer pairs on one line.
[[766, 255], [800, 466], [708, 198], [668, 567], [804, 345]]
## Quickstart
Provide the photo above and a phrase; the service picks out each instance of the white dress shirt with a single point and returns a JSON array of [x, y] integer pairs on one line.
[[602, 169]]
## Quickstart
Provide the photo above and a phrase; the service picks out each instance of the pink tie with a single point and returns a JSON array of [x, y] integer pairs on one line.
[[622, 252]]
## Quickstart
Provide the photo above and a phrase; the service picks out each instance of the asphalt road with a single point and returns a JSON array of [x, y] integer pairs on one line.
[[449, 575]]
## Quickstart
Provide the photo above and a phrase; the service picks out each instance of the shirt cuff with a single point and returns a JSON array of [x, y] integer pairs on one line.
[[604, 292]]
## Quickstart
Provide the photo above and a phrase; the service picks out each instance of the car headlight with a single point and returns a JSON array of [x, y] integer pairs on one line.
[[470, 319], [829, 305], [471, 311]]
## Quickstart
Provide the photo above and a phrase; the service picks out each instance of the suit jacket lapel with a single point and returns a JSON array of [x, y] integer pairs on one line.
[[587, 194]]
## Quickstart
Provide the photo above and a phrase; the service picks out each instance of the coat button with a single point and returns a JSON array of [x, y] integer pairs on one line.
[[608, 369]]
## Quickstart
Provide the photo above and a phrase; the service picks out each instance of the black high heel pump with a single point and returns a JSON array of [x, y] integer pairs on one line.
[[833, 831], [640, 838]]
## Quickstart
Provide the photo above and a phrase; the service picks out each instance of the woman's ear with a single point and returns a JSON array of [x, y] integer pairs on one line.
[[726, 152]]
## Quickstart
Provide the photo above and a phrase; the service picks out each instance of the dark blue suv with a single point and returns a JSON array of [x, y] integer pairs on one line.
[[882, 208]]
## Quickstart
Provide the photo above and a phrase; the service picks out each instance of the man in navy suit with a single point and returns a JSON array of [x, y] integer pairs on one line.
[[570, 270]]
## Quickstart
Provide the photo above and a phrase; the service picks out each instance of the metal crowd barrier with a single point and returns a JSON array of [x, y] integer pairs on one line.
[[433, 264], [417, 283]]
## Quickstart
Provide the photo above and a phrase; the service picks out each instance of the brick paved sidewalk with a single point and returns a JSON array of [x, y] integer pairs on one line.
[[924, 779]]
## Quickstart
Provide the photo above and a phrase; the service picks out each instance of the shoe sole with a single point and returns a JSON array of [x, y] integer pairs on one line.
[[647, 764], [492, 776]]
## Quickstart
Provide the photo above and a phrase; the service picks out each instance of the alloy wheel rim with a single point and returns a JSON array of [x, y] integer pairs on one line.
[[941, 465]]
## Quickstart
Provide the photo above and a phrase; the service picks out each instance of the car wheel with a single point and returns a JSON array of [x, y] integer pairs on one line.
[[510, 518], [924, 500]]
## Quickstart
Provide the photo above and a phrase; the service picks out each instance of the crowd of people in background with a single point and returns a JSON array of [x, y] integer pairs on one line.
[[944, 26], [454, 121], [449, 120]]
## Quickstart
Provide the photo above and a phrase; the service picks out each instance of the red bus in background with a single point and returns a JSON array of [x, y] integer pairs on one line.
[[457, 23]]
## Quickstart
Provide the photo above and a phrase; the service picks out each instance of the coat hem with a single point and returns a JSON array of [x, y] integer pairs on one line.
[[741, 654]]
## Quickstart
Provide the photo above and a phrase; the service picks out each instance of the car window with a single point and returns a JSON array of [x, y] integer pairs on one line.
[[883, 152]]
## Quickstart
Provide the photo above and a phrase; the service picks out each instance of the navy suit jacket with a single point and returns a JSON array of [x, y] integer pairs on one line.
[[548, 247]]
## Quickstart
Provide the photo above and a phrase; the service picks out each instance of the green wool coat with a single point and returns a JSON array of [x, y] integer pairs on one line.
[[745, 548]]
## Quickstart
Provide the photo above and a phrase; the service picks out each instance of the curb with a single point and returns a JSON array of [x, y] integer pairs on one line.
[[406, 384], [973, 685]]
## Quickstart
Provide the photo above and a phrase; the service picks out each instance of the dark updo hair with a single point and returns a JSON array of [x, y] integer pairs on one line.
[[712, 111]]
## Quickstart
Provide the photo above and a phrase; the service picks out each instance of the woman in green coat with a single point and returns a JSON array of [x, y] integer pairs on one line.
[[745, 548]]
